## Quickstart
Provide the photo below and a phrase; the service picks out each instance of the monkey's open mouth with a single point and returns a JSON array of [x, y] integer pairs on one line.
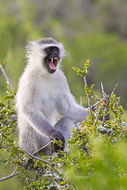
[[52, 63]]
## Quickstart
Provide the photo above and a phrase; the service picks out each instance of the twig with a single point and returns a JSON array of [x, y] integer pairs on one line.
[[80, 100], [103, 92], [14, 173], [54, 157], [97, 97], [114, 88], [35, 157], [97, 103], [27, 160], [89, 98], [97, 115], [6, 77], [43, 147]]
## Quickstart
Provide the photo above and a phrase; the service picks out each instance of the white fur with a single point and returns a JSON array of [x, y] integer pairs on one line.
[[40, 97]]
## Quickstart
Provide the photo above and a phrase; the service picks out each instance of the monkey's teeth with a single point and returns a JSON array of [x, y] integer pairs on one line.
[[53, 63], [52, 60], [55, 58]]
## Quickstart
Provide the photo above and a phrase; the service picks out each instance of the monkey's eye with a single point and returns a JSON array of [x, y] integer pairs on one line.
[[48, 49]]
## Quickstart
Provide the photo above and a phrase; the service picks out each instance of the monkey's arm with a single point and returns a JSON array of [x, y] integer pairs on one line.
[[38, 122], [68, 107]]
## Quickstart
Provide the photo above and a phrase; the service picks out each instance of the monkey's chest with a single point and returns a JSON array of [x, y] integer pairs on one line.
[[48, 105], [49, 90]]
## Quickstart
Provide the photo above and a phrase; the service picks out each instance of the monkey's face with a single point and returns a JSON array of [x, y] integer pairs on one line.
[[52, 58]]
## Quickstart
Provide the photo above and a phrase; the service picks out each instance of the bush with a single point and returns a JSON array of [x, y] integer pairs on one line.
[[97, 150]]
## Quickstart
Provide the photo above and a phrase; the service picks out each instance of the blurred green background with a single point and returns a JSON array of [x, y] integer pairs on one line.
[[94, 29], [89, 29]]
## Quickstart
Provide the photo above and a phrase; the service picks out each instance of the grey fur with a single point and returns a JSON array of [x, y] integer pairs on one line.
[[40, 97], [46, 41]]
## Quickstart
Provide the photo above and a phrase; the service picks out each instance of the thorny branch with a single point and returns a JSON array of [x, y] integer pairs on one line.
[[14, 173], [34, 153], [97, 103], [89, 97], [35, 157], [96, 118], [43, 147], [6, 77], [103, 92], [106, 99], [114, 88]]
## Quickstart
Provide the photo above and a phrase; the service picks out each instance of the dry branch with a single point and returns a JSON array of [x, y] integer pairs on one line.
[[6, 77], [32, 155], [14, 173], [103, 92], [35, 157], [43, 147]]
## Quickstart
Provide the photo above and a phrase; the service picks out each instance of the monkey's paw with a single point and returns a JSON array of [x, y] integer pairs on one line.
[[57, 135]]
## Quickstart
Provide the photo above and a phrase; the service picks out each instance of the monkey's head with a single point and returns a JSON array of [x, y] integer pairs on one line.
[[46, 53]]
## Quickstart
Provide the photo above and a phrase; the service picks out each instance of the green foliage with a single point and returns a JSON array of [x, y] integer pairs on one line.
[[85, 69], [82, 36], [97, 156], [97, 150], [104, 169]]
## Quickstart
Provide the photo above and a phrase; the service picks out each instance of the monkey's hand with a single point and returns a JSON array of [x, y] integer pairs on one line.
[[57, 135]]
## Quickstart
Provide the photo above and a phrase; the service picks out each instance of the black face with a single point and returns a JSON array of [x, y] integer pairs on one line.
[[52, 58]]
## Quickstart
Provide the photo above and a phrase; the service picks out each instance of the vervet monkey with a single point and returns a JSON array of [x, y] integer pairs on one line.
[[43, 93]]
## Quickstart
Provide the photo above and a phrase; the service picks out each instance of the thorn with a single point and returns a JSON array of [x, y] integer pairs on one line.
[[103, 92], [114, 88]]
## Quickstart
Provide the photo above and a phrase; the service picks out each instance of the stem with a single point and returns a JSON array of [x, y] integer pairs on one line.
[[9, 176], [103, 92], [114, 88], [35, 157], [89, 97], [6, 77], [97, 103], [42, 148]]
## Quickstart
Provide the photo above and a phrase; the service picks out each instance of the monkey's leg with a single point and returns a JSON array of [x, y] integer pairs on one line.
[[31, 141], [65, 126]]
